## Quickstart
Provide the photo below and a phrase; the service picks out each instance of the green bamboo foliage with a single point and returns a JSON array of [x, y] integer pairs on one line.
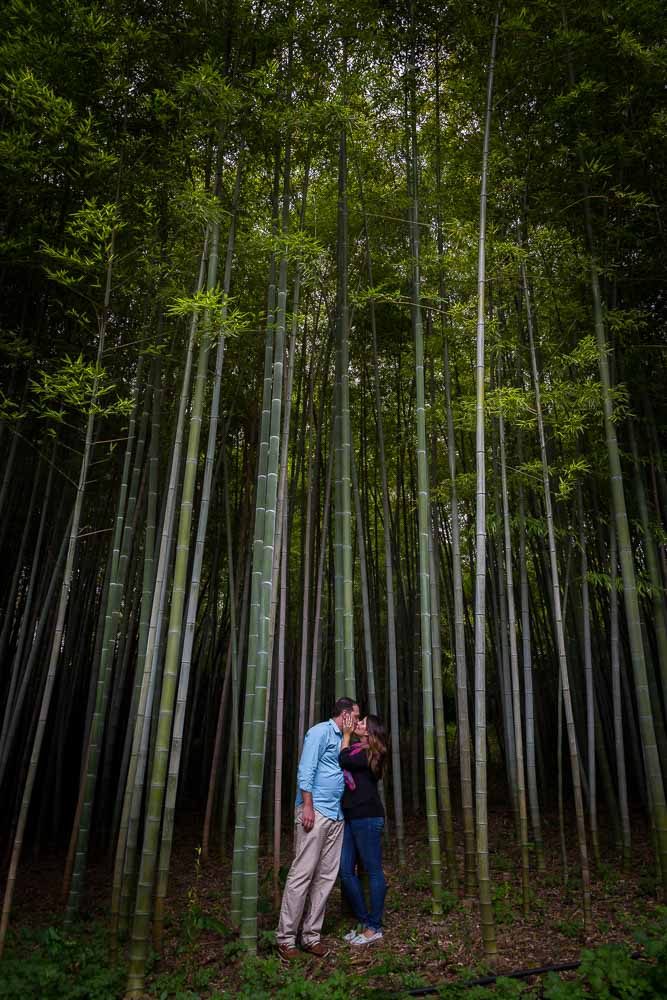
[[481, 811]]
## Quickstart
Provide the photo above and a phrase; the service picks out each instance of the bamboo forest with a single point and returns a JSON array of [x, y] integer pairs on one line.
[[333, 354]]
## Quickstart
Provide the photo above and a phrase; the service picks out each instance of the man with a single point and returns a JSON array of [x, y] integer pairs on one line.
[[319, 835]]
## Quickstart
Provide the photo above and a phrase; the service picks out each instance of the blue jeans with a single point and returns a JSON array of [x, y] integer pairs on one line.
[[363, 840]]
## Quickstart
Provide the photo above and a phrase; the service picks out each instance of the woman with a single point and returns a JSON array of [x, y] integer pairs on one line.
[[362, 765]]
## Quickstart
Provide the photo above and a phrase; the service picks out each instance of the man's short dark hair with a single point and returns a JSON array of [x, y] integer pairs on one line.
[[343, 705]]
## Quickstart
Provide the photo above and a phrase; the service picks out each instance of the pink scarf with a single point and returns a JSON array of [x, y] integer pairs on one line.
[[347, 776]]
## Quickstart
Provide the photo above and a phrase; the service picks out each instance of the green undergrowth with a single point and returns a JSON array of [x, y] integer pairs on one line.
[[608, 972], [73, 964], [58, 964]]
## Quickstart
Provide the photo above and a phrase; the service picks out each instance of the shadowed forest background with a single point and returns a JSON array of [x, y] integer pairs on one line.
[[332, 361]]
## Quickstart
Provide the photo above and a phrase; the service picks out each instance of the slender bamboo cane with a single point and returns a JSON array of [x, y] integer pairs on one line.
[[317, 617], [440, 725], [590, 690], [345, 672], [363, 579], [514, 667], [280, 707], [659, 617], [27, 678], [12, 610], [481, 811], [27, 616], [615, 655], [558, 625], [256, 586], [392, 674], [307, 548], [529, 703], [463, 721], [423, 509]]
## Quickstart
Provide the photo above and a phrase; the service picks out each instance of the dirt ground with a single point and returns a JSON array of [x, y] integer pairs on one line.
[[417, 949]]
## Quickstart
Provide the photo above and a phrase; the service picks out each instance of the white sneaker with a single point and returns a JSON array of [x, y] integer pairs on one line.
[[362, 939], [351, 935]]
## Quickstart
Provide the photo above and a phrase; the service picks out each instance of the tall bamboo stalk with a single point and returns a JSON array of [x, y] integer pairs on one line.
[[529, 703], [615, 656], [481, 810], [423, 508], [392, 673], [558, 624], [344, 621]]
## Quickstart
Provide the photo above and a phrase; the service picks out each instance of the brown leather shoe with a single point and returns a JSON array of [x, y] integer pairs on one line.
[[288, 954], [316, 949]]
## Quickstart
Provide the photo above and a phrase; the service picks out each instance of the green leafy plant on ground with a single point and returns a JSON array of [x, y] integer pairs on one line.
[[606, 973], [54, 965], [51, 964]]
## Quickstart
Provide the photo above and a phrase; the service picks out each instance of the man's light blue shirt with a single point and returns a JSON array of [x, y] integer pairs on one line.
[[319, 771]]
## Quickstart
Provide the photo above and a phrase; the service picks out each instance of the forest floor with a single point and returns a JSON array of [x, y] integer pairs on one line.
[[203, 959]]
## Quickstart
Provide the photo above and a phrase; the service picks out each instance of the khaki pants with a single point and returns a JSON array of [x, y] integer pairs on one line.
[[310, 880]]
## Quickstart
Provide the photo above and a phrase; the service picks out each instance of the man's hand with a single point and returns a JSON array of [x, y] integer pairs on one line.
[[308, 818], [307, 812]]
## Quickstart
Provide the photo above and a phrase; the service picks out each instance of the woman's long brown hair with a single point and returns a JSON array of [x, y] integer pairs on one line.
[[377, 745]]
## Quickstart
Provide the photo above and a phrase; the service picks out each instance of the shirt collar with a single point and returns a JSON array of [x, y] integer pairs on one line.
[[335, 728]]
